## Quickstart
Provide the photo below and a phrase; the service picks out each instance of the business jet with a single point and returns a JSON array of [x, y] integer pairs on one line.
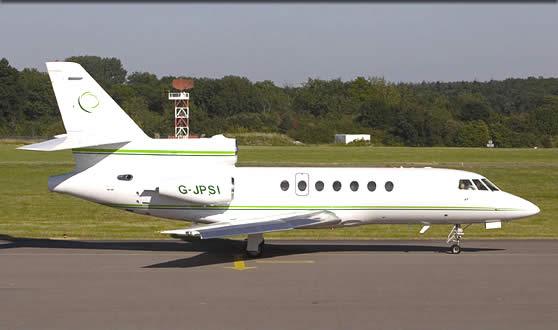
[[118, 165]]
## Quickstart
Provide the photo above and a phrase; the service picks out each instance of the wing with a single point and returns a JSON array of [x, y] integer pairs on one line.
[[257, 226]]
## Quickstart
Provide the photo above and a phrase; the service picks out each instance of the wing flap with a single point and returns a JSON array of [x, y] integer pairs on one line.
[[256, 226]]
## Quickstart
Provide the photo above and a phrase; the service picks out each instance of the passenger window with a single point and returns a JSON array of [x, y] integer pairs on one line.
[[125, 177], [354, 186], [389, 186], [302, 185], [319, 185], [284, 185], [466, 185], [371, 186], [490, 185], [479, 184], [337, 186]]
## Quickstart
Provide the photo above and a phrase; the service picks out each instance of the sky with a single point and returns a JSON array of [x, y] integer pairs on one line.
[[289, 43]]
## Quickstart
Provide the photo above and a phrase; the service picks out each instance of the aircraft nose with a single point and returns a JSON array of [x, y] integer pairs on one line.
[[532, 209], [529, 208], [522, 207]]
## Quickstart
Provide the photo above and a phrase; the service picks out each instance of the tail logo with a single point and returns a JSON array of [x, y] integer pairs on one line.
[[88, 102]]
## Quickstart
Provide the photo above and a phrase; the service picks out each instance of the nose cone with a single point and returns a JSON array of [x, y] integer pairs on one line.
[[516, 207], [530, 208], [526, 208]]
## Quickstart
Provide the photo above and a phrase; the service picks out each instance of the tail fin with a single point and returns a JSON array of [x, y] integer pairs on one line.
[[90, 115], [85, 106]]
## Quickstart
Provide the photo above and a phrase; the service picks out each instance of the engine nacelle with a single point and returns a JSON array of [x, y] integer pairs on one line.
[[211, 191]]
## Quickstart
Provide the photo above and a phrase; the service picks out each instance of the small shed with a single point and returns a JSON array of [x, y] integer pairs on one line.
[[348, 138]]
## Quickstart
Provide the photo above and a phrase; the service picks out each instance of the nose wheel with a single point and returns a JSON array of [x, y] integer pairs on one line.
[[454, 238], [455, 249]]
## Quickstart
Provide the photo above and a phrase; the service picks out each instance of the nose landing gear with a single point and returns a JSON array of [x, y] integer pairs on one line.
[[455, 249], [454, 237]]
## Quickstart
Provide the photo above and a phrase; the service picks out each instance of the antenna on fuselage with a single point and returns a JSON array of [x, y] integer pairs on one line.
[[181, 99]]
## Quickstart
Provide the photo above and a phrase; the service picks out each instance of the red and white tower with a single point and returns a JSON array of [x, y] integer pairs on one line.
[[181, 99]]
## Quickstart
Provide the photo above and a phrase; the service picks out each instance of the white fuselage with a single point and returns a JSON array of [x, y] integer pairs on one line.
[[148, 169]]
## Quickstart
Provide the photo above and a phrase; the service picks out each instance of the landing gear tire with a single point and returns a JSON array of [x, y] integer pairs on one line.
[[256, 253], [455, 249], [254, 245], [455, 236]]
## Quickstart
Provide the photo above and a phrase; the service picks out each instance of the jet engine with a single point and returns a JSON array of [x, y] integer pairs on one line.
[[200, 190]]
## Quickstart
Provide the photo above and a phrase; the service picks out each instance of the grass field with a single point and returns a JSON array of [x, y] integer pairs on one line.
[[29, 210]]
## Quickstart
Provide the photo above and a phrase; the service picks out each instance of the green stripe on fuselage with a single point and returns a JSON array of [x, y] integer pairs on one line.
[[153, 152], [298, 208]]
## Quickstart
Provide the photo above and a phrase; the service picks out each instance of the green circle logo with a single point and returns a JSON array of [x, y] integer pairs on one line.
[[88, 102]]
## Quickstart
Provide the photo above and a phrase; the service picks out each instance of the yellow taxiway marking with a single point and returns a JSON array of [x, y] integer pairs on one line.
[[239, 265], [285, 261]]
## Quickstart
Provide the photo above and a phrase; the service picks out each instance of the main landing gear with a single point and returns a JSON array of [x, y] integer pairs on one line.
[[454, 237], [254, 245]]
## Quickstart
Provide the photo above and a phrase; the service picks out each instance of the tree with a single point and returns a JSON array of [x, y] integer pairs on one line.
[[377, 114], [147, 85], [137, 109], [311, 132], [545, 117], [320, 97], [472, 134], [107, 71], [287, 122], [10, 100], [274, 99], [248, 121], [121, 93], [405, 130], [38, 99], [547, 141], [473, 107], [518, 112]]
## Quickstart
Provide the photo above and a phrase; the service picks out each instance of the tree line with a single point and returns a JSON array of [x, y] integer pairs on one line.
[[512, 112]]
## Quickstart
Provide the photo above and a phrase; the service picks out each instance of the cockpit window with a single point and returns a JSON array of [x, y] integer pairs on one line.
[[466, 185], [490, 185], [479, 184]]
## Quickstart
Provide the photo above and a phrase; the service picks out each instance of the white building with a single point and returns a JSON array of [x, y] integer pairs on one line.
[[348, 138]]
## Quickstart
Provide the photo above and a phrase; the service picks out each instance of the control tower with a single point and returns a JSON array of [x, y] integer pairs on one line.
[[181, 99]]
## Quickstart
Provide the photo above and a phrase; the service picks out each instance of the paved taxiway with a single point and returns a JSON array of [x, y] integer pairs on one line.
[[57, 284]]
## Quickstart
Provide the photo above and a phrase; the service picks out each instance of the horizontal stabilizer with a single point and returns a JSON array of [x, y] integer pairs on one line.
[[73, 140], [245, 227]]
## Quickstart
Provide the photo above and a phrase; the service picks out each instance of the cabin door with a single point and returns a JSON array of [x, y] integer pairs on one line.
[[301, 184]]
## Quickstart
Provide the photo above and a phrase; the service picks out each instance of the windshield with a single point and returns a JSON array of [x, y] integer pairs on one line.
[[477, 184], [466, 185], [490, 185]]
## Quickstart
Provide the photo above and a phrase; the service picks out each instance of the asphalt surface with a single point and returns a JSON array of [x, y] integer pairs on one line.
[[57, 284]]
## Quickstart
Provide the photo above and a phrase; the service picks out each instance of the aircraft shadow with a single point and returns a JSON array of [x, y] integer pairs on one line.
[[272, 250], [222, 251], [167, 246]]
